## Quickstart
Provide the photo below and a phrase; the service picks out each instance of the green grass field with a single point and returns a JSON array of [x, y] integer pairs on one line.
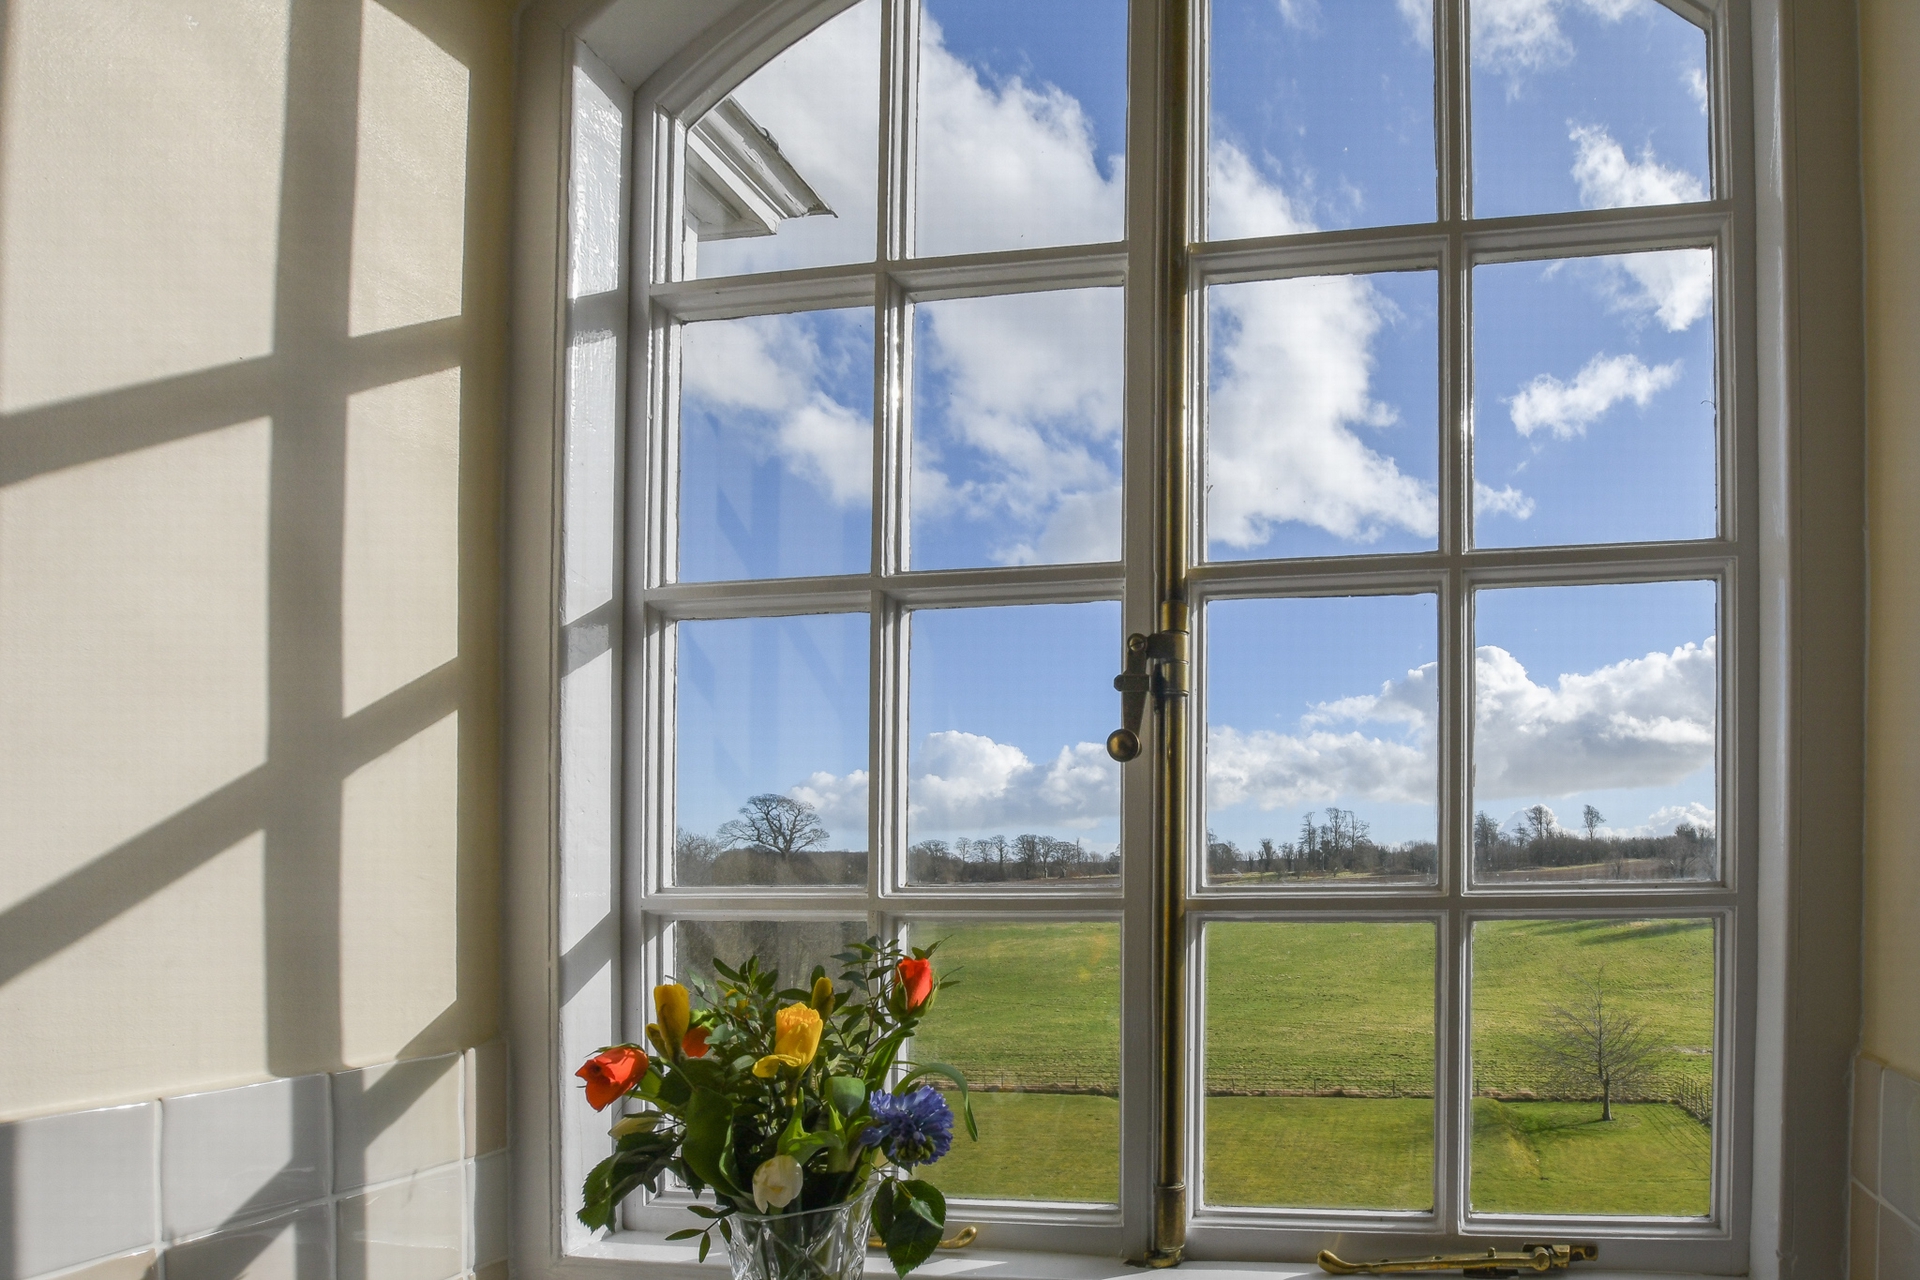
[[1308, 1008]]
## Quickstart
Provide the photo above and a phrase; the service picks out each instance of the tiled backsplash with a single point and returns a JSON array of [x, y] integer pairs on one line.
[[393, 1172], [1884, 1241]]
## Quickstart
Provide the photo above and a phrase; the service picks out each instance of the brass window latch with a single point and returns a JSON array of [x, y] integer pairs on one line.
[[1157, 665], [1494, 1262]]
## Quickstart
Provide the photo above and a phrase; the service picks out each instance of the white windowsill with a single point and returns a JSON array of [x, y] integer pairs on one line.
[[678, 1259]]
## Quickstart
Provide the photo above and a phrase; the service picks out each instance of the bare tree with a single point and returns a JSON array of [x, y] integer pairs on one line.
[[775, 824], [1595, 1043], [1540, 822], [1590, 819]]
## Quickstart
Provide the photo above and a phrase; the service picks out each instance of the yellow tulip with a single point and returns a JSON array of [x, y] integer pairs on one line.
[[796, 1038], [674, 1009], [823, 994]]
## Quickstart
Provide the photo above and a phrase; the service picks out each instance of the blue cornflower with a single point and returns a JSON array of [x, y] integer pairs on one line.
[[914, 1128]]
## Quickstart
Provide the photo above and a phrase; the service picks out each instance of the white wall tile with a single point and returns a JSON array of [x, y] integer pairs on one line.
[[294, 1246], [491, 1192], [1899, 1248], [1866, 1122], [1863, 1226], [413, 1230], [1900, 1143], [79, 1187], [142, 1264], [487, 1098], [396, 1119], [234, 1155]]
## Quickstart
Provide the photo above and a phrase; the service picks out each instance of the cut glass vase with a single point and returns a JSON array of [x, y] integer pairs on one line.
[[820, 1244]]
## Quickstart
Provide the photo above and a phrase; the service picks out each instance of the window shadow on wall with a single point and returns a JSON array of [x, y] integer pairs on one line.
[[374, 638]]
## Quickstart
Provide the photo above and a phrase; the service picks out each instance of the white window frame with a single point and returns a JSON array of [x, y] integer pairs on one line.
[[1760, 569]]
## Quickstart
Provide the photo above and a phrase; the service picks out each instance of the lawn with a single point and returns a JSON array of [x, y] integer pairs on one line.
[[1036, 1146], [1320, 1153], [1559, 1157], [1308, 1008]]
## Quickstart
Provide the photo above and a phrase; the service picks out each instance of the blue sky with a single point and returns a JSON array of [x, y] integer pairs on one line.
[[1593, 420]]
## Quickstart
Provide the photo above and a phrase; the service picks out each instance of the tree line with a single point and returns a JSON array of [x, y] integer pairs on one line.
[[1341, 843], [1539, 841], [1027, 856]]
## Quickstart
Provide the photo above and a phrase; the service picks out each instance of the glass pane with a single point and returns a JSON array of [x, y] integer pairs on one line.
[[1016, 430], [1022, 124], [1594, 733], [1600, 104], [1593, 400], [1010, 777], [1593, 1067], [1034, 1023], [1322, 416], [793, 947], [771, 751], [1319, 1065], [1321, 115], [776, 446], [1320, 741], [782, 172]]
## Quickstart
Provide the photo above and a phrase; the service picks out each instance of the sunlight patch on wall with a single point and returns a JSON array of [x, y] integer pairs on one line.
[[130, 253], [399, 893], [133, 645], [410, 178], [180, 974], [400, 568]]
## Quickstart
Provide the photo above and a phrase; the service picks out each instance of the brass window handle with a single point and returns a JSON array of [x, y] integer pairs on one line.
[[1494, 1262], [1157, 665], [958, 1240]]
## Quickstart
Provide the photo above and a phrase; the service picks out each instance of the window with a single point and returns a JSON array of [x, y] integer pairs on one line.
[[1449, 849]]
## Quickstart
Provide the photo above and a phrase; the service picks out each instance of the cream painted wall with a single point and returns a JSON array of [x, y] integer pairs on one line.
[[1890, 127], [252, 327]]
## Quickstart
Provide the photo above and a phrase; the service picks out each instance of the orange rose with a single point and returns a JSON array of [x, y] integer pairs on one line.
[[694, 1044], [611, 1073], [916, 979]]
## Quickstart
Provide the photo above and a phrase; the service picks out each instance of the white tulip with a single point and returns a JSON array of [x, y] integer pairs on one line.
[[642, 1123], [776, 1183]]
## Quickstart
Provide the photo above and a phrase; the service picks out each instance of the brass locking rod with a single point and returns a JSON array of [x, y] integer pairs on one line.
[[1494, 1262]]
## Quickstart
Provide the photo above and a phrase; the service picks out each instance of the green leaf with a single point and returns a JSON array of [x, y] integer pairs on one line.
[[846, 1093], [687, 1234], [706, 1243], [915, 1219], [709, 1138]]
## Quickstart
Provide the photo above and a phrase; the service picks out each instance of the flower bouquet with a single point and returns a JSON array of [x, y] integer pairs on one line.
[[784, 1103]]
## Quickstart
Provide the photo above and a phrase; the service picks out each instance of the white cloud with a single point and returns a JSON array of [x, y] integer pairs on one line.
[[1302, 15], [771, 366], [1567, 409], [1646, 721], [1005, 156], [1519, 36], [1290, 391], [1033, 385], [1675, 285], [967, 782], [832, 446], [1504, 501], [1034, 382], [1696, 81], [840, 799], [1663, 820], [1610, 180]]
